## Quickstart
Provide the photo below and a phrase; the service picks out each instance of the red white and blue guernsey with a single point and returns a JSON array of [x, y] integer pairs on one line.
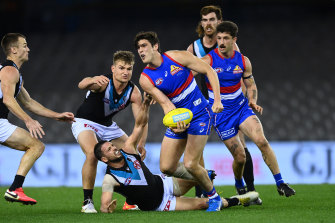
[[178, 84], [236, 109]]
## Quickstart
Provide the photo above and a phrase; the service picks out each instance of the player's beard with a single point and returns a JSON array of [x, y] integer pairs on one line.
[[211, 33], [117, 160]]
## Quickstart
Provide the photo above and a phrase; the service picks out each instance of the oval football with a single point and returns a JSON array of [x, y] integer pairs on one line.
[[178, 114]]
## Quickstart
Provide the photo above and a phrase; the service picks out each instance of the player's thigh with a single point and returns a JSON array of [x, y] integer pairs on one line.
[[87, 139], [190, 203], [119, 142], [252, 128], [242, 138], [21, 140], [194, 147], [171, 151]]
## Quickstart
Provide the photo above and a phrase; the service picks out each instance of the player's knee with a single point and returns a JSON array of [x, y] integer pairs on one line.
[[38, 147], [262, 143], [191, 165], [167, 171], [90, 157], [240, 159]]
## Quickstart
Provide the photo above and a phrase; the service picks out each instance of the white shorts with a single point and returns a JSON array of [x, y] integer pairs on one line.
[[6, 129], [106, 133], [169, 200]]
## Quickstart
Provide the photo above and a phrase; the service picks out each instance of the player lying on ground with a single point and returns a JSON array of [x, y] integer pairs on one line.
[[127, 174]]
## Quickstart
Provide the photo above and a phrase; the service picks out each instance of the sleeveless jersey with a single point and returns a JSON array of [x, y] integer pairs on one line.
[[177, 83], [138, 184], [200, 51], [230, 71], [100, 107], [3, 108]]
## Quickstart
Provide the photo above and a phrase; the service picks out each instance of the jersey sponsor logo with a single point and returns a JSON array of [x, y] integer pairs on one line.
[[197, 102], [159, 81], [89, 126], [175, 69], [127, 181], [228, 132], [167, 206], [137, 164], [201, 130], [237, 70], [202, 124], [218, 70]]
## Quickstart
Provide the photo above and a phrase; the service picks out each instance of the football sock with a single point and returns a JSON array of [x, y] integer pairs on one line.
[[248, 173], [198, 191], [232, 201], [278, 179], [88, 194], [239, 183], [212, 194], [17, 183], [181, 172]]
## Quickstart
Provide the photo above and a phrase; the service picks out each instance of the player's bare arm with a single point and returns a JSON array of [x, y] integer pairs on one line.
[[194, 63], [95, 84], [108, 205], [39, 109], [157, 95], [136, 101], [190, 48], [141, 122], [251, 86]]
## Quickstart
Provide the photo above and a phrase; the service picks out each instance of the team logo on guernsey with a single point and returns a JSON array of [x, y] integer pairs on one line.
[[237, 70], [202, 124], [175, 69], [127, 181], [159, 81], [137, 164], [218, 70]]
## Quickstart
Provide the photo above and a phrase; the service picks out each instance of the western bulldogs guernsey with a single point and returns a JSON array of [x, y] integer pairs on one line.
[[100, 107], [236, 109], [3, 108], [230, 71], [177, 83], [138, 184]]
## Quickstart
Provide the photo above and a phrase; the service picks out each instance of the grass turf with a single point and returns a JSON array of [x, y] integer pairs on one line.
[[312, 203]]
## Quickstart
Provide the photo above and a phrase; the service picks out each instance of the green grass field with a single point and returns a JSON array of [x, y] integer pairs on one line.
[[312, 203]]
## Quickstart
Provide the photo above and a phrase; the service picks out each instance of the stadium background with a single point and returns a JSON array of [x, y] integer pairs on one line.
[[290, 44]]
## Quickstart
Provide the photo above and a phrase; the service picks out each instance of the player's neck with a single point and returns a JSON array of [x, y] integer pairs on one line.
[[209, 41], [16, 61], [118, 85], [228, 54], [156, 61]]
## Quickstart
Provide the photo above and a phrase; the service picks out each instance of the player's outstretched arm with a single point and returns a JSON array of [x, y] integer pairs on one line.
[[140, 123], [108, 205], [95, 84], [39, 109], [136, 102]]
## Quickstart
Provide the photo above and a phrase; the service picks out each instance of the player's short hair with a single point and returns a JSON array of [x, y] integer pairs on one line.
[[227, 27], [151, 36], [205, 11], [126, 56], [97, 150], [9, 40]]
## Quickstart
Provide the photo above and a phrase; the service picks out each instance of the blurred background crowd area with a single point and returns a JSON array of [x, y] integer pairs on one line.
[[291, 45]]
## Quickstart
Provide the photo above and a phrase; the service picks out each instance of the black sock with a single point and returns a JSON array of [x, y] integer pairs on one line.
[[17, 183], [88, 194], [198, 191], [248, 173], [232, 201]]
